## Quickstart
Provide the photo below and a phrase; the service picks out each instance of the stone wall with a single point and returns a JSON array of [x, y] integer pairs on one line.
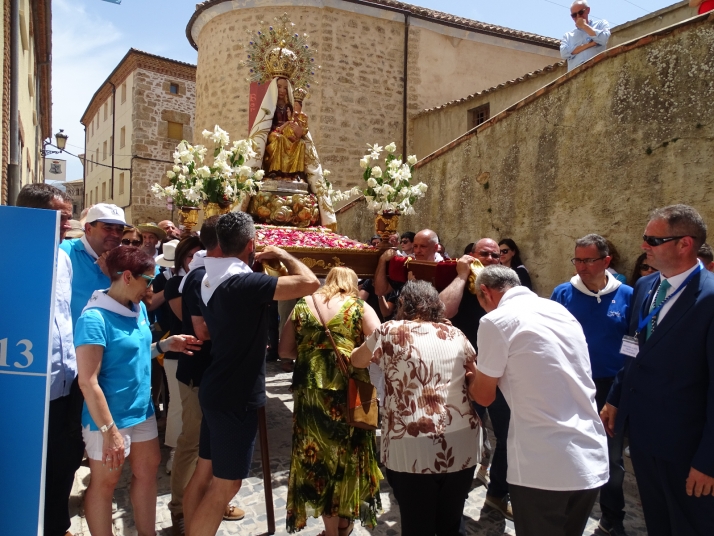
[[358, 97], [594, 152], [153, 107]]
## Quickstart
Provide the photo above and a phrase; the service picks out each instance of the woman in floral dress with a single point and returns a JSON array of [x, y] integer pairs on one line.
[[333, 471], [431, 439]]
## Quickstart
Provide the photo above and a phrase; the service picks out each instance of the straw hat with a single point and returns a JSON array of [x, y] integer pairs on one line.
[[167, 258], [76, 230], [154, 229]]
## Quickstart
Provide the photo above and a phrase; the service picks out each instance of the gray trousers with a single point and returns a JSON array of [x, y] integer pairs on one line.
[[540, 512]]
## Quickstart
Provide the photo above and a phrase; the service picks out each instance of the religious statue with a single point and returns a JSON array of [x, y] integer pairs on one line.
[[293, 191]]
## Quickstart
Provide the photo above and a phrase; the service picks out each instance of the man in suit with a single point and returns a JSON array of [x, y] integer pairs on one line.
[[665, 391]]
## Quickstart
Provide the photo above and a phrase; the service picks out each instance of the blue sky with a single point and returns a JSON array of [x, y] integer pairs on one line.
[[91, 36]]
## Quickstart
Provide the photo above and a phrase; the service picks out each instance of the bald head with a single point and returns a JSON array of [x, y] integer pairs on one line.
[[487, 251], [425, 243]]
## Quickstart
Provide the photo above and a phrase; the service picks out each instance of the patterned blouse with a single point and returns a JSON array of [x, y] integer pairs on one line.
[[428, 425]]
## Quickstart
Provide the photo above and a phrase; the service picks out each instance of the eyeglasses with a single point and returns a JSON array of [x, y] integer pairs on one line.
[[489, 254], [586, 262], [505, 251], [655, 241], [127, 242], [644, 266], [578, 13], [405, 241], [149, 280]]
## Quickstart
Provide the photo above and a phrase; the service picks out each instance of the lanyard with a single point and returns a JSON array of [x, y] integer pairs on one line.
[[643, 322]]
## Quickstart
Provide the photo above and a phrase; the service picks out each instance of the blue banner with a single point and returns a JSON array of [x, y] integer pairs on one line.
[[27, 278]]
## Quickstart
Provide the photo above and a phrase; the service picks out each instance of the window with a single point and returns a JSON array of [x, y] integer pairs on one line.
[[86, 200], [104, 191], [97, 119], [74, 208], [104, 151], [111, 108], [121, 183], [91, 199], [111, 145], [97, 158], [123, 93], [175, 131], [92, 128], [96, 194], [122, 137], [106, 109], [174, 89], [479, 115]]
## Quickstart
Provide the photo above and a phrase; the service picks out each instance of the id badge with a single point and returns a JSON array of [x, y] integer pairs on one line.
[[630, 346]]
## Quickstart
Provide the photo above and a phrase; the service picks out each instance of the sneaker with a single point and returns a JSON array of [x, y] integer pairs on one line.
[[170, 462], [177, 525], [503, 505], [611, 528], [482, 476], [233, 513]]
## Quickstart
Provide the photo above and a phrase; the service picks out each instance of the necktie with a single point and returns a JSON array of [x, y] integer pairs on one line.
[[661, 294]]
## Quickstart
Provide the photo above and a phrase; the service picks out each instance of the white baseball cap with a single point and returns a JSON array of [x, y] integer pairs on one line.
[[106, 213]]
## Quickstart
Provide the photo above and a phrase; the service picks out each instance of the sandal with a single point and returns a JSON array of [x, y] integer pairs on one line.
[[233, 513], [346, 531]]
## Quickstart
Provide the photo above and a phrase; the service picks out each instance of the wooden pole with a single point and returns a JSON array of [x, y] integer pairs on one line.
[[267, 475]]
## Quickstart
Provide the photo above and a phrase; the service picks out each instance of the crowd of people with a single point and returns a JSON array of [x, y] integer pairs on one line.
[[562, 383]]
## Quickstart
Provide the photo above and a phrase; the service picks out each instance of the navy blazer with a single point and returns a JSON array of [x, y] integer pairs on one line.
[[666, 393]]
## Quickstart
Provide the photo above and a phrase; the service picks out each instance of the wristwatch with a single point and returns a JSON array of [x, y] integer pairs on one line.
[[106, 427], [158, 347]]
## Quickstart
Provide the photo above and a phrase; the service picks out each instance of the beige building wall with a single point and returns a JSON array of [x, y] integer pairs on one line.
[[436, 127], [30, 132], [651, 23], [358, 97], [525, 175]]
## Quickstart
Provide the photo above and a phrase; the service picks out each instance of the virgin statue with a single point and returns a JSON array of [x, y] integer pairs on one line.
[[293, 191]]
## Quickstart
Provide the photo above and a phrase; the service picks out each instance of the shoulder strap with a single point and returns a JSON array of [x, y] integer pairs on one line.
[[341, 361]]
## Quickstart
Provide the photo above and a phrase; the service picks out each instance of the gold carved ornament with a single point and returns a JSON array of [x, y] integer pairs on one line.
[[476, 268], [320, 263]]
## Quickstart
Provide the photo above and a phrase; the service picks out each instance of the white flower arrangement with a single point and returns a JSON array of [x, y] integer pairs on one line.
[[193, 181], [388, 189]]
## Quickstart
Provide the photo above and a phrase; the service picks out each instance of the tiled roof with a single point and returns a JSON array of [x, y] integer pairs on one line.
[[527, 76], [437, 17]]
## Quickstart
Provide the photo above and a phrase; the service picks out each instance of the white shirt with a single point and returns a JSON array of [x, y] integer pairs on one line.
[[556, 440], [64, 362], [676, 281]]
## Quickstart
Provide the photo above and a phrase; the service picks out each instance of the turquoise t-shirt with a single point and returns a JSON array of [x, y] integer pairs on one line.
[[125, 375], [86, 276]]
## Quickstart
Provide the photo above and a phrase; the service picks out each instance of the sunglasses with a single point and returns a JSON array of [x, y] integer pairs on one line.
[[505, 251], [149, 280], [489, 254], [127, 242], [644, 266], [587, 262], [578, 14], [655, 241]]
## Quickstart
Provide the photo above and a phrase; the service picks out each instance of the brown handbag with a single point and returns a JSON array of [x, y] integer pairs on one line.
[[362, 401]]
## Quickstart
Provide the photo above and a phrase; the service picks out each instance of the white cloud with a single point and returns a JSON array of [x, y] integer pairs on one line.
[[85, 49]]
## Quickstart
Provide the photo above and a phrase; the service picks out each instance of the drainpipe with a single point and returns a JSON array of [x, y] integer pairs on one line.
[[84, 173], [114, 138], [406, 87], [13, 168]]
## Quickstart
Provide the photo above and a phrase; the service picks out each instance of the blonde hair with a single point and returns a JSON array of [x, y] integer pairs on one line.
[[340, 280]]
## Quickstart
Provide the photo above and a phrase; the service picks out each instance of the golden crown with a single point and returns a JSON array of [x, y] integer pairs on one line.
[[281, 62], [280, 51]]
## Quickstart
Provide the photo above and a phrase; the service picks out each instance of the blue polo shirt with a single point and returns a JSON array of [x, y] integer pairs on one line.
[[86, 276], [604, 324], [125, 375]]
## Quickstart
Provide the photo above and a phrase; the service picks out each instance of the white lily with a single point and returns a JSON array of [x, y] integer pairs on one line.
[[391, 147]]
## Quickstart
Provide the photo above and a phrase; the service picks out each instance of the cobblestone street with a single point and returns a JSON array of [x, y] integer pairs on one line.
[[480, 520]]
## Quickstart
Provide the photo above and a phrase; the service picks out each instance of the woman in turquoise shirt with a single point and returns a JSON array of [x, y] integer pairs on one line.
[[114, 351]]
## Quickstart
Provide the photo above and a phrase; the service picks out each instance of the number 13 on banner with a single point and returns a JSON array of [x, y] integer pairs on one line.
[[26, 353]]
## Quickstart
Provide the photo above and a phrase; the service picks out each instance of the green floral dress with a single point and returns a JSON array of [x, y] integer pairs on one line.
[[333, 470]]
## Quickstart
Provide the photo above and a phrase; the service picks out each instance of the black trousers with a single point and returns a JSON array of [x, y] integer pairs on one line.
[[612, 498], [431, 504], [500, 415], [65, 449], [668, 510], [540, 512]]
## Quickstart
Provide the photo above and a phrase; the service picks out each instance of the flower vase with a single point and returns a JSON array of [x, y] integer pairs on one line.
[[188, 217], [215, 209], [386, 225]]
